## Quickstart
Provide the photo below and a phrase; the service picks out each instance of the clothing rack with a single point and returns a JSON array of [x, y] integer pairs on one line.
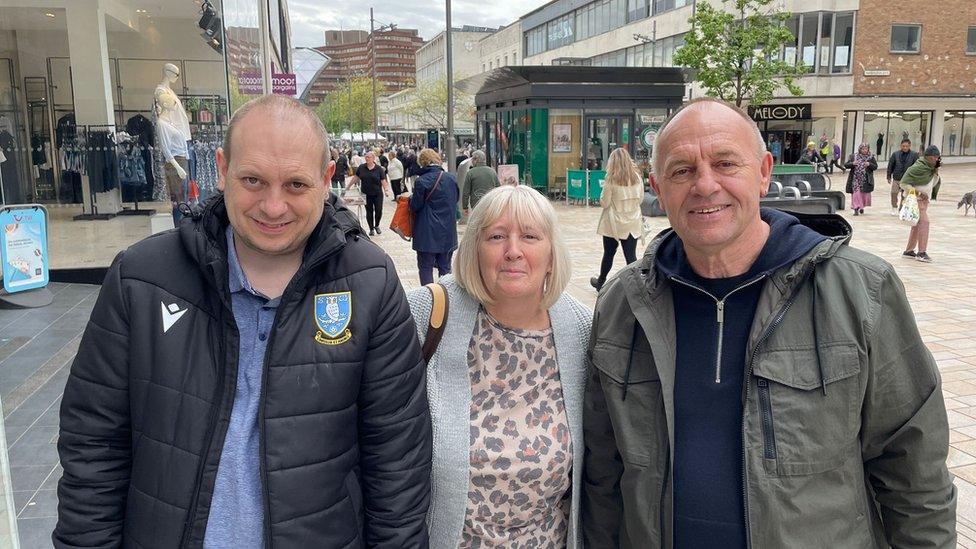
[[92, 205], [135, 210]]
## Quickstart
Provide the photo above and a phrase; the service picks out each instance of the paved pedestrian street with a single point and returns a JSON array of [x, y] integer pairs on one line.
[[36, 346]]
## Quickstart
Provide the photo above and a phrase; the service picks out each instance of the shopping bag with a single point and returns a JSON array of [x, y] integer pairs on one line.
[[909, 213], [402, 223], [194, 191]]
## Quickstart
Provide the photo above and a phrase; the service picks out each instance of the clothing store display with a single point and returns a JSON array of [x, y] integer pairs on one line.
[[174, 183], [102, 161], [65, 130], [171, 141], [10, 169], [132, 171], [205, 167], [144, 132]]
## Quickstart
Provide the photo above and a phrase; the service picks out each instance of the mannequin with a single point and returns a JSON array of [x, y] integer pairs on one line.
[[172, 134]]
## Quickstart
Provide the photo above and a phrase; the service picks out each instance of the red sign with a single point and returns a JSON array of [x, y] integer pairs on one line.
[[284, 84]]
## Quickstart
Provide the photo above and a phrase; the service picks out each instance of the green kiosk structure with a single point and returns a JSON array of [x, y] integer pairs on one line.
[[558, 124]]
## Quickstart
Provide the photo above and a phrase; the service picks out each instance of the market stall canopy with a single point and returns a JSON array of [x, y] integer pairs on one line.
[[359, 137]]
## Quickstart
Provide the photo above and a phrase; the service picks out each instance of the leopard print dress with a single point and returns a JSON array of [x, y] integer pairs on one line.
[[521, 450]]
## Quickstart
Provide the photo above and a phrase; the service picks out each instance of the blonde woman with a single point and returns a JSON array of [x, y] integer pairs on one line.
[[621, 222], [505, 385]]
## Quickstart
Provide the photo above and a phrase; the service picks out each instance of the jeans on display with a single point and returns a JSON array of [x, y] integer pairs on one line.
[[629, 247], [426, 262], [374, 210]]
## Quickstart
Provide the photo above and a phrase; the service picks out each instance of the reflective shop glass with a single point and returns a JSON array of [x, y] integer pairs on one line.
[[884, 130], [959, 137]]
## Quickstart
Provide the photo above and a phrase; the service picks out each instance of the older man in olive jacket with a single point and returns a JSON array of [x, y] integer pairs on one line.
[[756, 381]]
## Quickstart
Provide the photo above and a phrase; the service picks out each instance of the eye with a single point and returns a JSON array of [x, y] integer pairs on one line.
[[680, 172], [297, 185], [496, 236], [250, 181]]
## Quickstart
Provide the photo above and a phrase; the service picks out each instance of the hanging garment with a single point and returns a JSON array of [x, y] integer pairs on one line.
[[132, 172], [102, 162], [10, 169]]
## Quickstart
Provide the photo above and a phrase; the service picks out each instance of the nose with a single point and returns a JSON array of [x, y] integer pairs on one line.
[[707, 183], [513, 249], [274, 205]]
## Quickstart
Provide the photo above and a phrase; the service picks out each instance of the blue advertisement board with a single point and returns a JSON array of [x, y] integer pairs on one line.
[[23, 247]]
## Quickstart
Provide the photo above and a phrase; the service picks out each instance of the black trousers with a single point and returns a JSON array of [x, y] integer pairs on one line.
[[610, 250], [397, 185], [374, 210]]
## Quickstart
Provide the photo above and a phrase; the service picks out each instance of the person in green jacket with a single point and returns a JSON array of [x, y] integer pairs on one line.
[[922, 177], [477, 182], [754, 380]]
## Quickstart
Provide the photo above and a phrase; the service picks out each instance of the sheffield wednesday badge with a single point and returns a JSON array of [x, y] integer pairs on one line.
[[332, 315]]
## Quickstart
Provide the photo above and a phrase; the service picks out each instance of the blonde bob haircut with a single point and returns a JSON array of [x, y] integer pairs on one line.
[[429, 157], [529, 209]]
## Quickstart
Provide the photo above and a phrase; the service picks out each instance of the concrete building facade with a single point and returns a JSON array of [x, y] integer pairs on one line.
[[502, 48]]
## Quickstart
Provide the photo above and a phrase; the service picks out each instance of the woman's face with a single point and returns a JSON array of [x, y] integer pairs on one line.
[[514, 261], [863, 149]]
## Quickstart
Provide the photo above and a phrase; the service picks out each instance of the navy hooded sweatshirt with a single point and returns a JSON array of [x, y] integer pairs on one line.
[[713, 318]]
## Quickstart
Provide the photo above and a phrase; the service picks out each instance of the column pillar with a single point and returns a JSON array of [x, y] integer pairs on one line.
[[938, 129], [92, 86]]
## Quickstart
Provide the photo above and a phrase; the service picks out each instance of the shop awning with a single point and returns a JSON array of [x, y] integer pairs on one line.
[[359, 137]]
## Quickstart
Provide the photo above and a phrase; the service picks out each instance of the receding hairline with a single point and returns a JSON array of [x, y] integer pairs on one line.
[[699, 105], [280, 106]]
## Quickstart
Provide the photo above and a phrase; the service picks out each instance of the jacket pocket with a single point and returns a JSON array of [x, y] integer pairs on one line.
[[355, 500], [809, 423], [633, 400]]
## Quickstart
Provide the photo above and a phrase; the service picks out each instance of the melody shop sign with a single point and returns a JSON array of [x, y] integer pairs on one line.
[[780, 112]]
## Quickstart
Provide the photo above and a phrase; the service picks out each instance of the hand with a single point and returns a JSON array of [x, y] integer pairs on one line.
[[180, 172]]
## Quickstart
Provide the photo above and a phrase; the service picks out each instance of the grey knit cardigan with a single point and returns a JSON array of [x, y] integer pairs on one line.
[[449, 393]]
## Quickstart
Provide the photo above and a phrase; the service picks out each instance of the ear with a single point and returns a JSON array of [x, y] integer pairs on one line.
[[221, 169], [766, 173], [329, 172], [655, 185]]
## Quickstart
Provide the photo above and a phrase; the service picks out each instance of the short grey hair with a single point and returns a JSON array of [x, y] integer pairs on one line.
[[478, 158], [280, 106], [527, 207], [760, 143]]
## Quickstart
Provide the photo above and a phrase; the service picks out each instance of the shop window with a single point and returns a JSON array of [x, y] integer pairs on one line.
[[958, 137], [808, 40], [560, 31], [884, 130], [905, 38], [971, 41]]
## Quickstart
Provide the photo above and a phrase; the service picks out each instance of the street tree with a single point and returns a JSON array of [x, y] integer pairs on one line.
[[735, 49], [350, 106], [428, 104]]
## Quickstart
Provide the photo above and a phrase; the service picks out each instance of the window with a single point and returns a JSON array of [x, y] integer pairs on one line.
[[514, 58], [971, 41], [506, 61], [958, 139], [637, 9], [535, 40], [905, 38], [843, 40], [808, 40], [560, 31]]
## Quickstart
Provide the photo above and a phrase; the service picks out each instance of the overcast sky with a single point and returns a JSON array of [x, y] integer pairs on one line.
[[310, 18]]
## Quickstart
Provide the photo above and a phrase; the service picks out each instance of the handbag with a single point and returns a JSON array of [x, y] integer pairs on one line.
[[438, 319], [403, 217], [909, 212]]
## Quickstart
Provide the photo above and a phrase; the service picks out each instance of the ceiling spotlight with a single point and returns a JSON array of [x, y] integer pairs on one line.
[[49, 14]]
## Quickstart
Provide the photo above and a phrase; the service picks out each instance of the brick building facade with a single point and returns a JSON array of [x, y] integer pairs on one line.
[[352, 54]]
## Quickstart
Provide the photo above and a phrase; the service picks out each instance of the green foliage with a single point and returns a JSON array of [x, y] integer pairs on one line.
[[735, 50], [350, 107], [428, 105]]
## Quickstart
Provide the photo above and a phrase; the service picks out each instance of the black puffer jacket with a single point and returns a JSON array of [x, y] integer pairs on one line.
[[345, 429]]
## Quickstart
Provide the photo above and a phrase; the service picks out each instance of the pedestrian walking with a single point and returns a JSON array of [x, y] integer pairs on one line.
[[434, 202], [922, 177], [860, 182], [395, 174], [507, 381], [835, 161], [899, 162], [755, 381], [373, 182], [341, 167], [621, 222], [252, 378], [478, 181]]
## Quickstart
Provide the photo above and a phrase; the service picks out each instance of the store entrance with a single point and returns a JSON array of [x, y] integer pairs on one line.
[[788, 143], [603, 135]]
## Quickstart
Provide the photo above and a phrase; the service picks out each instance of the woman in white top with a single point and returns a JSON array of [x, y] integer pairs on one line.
[[621, 221], [394, 171]]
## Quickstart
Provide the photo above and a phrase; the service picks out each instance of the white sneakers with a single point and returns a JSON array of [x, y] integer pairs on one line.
[[894, 212]]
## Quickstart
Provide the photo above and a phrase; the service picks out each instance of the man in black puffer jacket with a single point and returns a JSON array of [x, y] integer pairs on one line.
[[253, 378]]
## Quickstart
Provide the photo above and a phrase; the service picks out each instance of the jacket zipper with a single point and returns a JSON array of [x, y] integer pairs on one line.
[[752, 362], [211, 427], [719, 316], [769, 438]]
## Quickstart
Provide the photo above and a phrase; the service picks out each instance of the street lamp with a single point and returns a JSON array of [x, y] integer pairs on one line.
[[372, 43], [451, 165]]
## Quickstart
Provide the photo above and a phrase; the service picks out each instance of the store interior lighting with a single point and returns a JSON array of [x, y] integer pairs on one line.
[[210, 23]]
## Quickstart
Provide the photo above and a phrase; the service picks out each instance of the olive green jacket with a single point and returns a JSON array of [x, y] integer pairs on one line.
[[844, 426]]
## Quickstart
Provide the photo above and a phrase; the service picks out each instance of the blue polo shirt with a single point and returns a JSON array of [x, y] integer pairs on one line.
[[237, 509]]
